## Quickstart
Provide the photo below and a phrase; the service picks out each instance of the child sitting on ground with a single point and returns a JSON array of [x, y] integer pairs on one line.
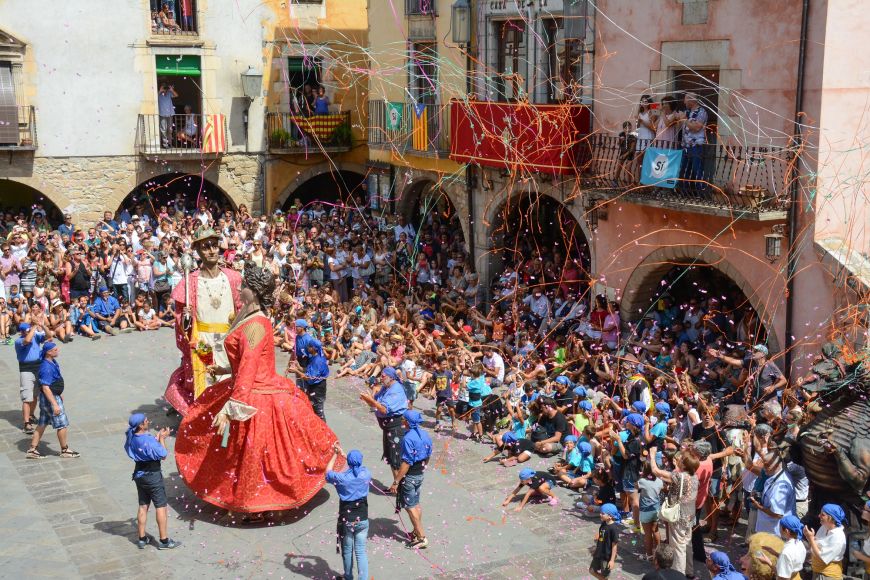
[[146, 318], [537, 485], [574, 471], [590, 503]]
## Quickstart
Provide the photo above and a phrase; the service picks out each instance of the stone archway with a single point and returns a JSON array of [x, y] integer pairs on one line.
[[314, 171], [25, 193], [642, 285], [574, 206], [162, 190]]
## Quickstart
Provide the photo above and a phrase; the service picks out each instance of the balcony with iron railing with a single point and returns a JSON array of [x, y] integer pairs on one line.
[[18, 128], [300, 134], [181, 135], [750, 182], [421, 8], [179, 20], [407, 128]]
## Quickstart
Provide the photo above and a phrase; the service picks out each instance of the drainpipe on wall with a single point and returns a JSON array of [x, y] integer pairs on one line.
[[469, 191], [794, 193]]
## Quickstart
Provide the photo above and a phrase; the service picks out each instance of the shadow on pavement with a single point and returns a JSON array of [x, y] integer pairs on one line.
[[310, 566], [191, 509], [122, 528], [12, 417], [386, 528]]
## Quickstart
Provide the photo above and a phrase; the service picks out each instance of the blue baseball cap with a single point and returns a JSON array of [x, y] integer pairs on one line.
[[390, 372]]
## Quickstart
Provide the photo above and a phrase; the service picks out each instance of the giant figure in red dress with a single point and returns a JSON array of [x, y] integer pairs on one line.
[[277, 449]]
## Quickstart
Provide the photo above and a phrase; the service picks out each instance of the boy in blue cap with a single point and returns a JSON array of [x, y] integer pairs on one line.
[[537, 485], [606, 543], [148, 451], [416, 451]]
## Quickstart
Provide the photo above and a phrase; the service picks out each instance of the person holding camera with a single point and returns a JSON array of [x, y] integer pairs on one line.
[[165, 110]]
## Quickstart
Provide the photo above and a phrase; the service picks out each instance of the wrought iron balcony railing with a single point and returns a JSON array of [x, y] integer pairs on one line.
[[179, 20], [182, 135], [18, 128], [732, 177], [422, 129], [289, 133]]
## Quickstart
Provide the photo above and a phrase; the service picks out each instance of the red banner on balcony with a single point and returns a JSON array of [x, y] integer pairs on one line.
[[522, 136]]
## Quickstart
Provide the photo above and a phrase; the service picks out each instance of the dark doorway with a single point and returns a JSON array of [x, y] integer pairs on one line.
[[181, 190], [16, 197], [332, 187], [705, 83]]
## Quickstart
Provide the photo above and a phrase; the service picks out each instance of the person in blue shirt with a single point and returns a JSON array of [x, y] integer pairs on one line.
[[477, 391], [148, 451], [303, 341], [721, 568], [352, 486], [51, 409], [314, 377], [107, 311], [416, 451], [28, 350], [576, 468], [389, 402]]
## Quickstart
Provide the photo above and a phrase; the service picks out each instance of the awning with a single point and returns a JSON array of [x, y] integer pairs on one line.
[[184, 65]]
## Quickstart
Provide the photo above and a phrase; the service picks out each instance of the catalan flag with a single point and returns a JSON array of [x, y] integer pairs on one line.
[[420, 128], [214, 135]]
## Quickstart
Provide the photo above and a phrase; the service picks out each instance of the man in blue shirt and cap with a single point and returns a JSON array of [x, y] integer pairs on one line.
[[148, 451], [389, 403], [28, 350], [51, 409], [107, 311], [416, 451]]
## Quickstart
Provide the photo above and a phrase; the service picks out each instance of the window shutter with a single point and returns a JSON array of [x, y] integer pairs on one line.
[[8, 107]]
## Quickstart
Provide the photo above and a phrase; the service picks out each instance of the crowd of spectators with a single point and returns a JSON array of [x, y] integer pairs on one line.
[[631, 415]]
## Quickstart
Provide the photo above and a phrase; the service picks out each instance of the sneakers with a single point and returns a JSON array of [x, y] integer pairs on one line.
[[169, 544], [127, 330], [97, 337], [419, 543], [29, 428], [111, 330], [142, 543]]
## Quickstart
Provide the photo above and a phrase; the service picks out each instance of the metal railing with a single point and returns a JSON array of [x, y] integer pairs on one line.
[[731, 176], [298, 133], [421, 7], [181, 135], [409, 128], [18, 127], [171, 25]]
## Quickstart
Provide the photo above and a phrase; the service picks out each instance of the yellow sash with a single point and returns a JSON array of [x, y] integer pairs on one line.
[[199, 369], [832, 570]]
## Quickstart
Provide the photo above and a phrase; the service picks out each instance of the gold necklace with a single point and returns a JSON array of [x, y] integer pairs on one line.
[[215, 301]]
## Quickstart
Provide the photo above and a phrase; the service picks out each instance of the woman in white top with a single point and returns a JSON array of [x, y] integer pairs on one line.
[[668, 122], [794, 554], [828, 544], [646, 123]]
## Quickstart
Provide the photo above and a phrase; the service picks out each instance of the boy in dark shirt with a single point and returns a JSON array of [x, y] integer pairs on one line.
[[515, 450], [537, 486], [604, 553], [444, 398]]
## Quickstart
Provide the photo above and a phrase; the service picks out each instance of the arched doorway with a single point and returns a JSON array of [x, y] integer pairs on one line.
[[17, 198], [536, 230], [182, 191], [695, 275], [332, 187], [429, 209]]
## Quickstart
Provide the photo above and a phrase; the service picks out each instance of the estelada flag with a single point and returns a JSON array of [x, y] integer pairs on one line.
[[214, 135], [420, 129]]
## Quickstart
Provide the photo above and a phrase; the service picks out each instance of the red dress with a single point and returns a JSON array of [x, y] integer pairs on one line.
[[276, 460]]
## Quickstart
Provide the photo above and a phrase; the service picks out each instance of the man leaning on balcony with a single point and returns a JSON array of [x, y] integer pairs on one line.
[[166, 110], [694, 121]]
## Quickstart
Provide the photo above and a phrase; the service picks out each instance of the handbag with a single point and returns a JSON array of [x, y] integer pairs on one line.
[[539, 433], [670, 512], [161, 284]]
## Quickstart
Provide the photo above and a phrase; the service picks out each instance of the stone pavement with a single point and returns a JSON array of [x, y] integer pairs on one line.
[[76, 518]]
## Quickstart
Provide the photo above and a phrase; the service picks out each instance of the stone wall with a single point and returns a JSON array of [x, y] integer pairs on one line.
[[87, 186]]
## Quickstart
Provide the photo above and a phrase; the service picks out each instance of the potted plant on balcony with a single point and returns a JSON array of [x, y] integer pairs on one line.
[[342, 136], [279, 138]]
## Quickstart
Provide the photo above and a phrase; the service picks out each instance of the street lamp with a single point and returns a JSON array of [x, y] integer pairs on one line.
[[252, 81], [773, 246], [460, 15]]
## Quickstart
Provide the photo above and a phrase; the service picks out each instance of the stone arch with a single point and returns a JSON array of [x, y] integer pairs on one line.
[[42, 188], [574, 206], [162, 187], [314, 171], [423, 184], [646, 276]]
